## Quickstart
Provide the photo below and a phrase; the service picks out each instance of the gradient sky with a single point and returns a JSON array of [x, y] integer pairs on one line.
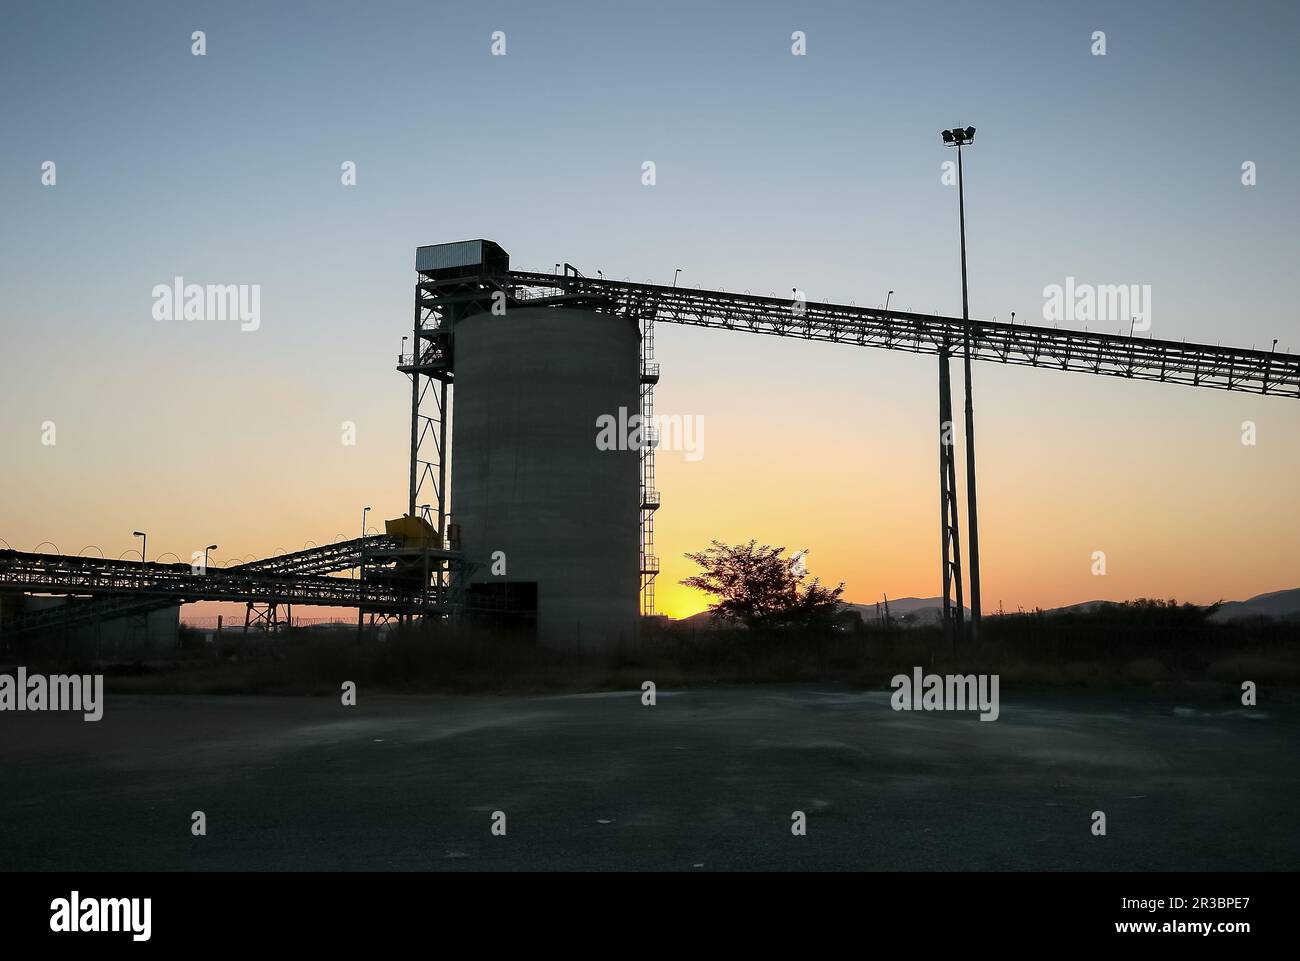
[[774, 171]]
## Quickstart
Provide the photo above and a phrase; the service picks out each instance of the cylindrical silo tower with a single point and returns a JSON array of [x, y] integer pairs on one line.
[[529, 479]]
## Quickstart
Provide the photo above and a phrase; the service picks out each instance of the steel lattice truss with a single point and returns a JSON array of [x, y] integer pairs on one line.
[[131, 587], [326, 559], [1136, 358]]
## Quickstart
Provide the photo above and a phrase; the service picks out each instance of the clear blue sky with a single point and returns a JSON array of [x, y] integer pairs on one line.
[[774, 171]]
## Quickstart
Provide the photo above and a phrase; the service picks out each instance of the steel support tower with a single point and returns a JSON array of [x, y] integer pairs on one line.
[[950, 532], [439, 303]]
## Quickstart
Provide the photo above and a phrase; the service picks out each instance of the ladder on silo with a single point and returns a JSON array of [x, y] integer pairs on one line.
[[649, 492]]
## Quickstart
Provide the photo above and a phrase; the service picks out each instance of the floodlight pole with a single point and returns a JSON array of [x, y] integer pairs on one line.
[[973, 530]]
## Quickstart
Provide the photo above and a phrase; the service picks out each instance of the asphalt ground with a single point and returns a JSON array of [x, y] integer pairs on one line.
[[706, 779]]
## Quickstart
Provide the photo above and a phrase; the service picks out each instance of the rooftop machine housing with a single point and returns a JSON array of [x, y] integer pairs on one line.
[[463, 258]]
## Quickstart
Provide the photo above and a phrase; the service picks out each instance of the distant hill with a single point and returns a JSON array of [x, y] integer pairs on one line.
[[702, 621], [912, 611], [921, 611], [1282, 605]]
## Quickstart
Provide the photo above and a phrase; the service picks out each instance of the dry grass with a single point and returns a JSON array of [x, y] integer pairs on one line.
[[1147, 646]]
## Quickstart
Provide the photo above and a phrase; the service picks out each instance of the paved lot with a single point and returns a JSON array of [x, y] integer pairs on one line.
[[704, 780]]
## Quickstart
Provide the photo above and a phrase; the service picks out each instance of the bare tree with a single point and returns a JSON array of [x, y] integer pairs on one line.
[[758, 586]]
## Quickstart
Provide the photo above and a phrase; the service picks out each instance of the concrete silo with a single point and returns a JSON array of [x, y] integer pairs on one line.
[[527, 476]]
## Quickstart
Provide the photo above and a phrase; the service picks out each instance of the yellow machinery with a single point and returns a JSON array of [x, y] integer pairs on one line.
[[415, 532]]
